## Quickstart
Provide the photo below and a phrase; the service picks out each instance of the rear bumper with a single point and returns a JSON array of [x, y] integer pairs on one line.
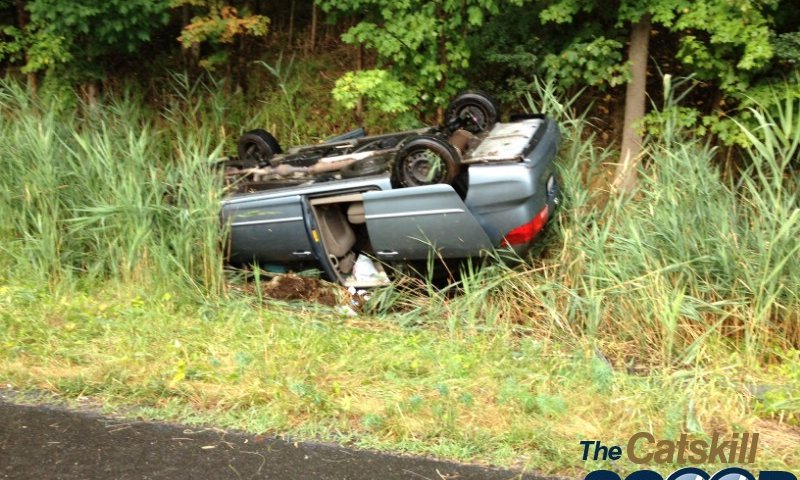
[[540, 221], [505, 196]]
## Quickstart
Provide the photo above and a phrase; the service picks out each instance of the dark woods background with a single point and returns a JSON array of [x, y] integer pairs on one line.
[[393, 63]]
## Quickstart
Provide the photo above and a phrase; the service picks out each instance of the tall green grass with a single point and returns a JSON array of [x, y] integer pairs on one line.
[[91, 196], [125, 191], [690, 266]]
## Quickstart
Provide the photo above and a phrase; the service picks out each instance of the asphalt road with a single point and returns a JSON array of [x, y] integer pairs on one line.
[[39, 442]]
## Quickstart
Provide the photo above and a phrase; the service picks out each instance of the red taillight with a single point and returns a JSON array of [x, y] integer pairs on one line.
[[526, 232]]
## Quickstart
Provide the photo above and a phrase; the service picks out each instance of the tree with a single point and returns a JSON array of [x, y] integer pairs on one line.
[[421, 48], [635, 98], [80, 39], [93, 31], [223, 27], [725, 42], [35, 48]]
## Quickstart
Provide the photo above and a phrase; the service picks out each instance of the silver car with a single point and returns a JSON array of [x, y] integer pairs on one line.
[[358, 203]]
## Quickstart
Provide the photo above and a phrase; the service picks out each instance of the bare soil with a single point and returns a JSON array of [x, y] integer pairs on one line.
[[296, 287]]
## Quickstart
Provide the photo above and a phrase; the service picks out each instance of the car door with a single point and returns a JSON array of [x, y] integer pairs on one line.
[[404, 223], [270, 230]]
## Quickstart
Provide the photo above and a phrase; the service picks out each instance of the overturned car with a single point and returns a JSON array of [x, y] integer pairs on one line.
[[356, 204]]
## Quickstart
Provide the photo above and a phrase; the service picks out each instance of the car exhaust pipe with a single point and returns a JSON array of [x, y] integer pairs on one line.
[[325, 165]]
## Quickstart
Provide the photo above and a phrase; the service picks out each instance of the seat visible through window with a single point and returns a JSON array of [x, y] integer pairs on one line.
[[337, 235]]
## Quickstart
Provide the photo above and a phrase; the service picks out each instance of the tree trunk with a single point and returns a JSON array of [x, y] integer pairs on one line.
[[291, 22], [23, 18], [360, 67], [190, 55], [635, 98], [441, 57], [313, 39], [89, 91]]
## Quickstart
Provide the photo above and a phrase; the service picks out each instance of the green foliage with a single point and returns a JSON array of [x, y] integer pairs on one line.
[[100, 27], [737, 32], [657, 122], [787, 47], [775, 149], [671, 115], [378, 87], [723, 41], [564, 11], [596, 62], [782, 400], [12, 45], [735, 47], [731, 128], [221, 26], [79, 41], [38, 49], [424, 43], [508, 52], [83, 34]]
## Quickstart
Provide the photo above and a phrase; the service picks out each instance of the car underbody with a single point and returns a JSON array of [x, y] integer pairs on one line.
[[357, 204]]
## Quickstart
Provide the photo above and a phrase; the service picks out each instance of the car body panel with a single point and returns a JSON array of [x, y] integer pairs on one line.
[[272, 231], [405, 224], [499, 193], [506, 142]]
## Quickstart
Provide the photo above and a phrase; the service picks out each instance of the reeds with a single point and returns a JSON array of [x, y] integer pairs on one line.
[[106, 195]]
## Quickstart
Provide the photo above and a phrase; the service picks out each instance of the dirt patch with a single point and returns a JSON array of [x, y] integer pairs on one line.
[[295, 287]]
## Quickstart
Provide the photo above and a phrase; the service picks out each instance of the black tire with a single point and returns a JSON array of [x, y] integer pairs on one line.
[[364, 167], [473, 110], [413, 162], [256, 147]]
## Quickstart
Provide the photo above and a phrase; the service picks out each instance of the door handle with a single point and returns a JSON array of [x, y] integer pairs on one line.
[[387, 253], [302, 253]]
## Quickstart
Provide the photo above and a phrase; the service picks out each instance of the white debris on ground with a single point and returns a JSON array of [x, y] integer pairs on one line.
[[367, 274]]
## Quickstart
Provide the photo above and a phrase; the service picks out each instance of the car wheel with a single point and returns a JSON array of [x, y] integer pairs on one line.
[[473, 110], [256, 147], [366, 166], [425, 160]]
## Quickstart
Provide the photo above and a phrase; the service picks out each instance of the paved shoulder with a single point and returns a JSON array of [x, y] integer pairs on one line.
[[45, 442]]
